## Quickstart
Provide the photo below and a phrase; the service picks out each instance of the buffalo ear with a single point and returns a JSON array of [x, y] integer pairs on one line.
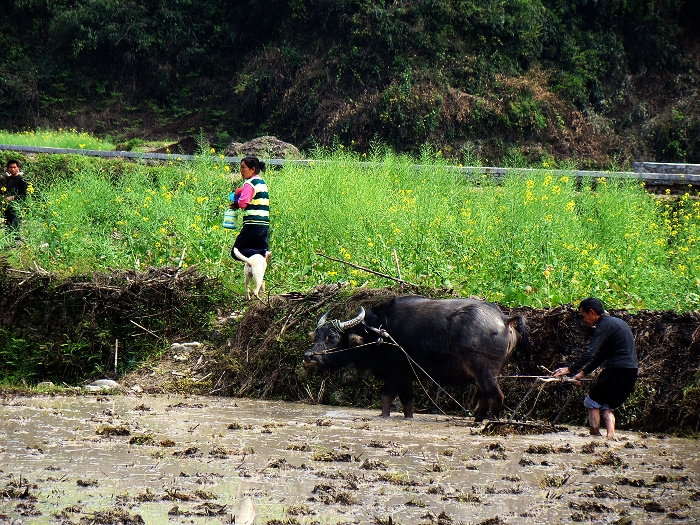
[[312, 335], [355, 340]]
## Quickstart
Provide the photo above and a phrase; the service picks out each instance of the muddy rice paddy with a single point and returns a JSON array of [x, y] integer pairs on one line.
[[173, 459]]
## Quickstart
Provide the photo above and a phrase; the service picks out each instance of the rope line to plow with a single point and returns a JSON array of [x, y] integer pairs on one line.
[[543, 380], [384, 334], [412, 362]]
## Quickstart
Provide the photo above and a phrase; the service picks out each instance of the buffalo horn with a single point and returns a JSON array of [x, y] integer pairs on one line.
[[322, 320], [352, 322]]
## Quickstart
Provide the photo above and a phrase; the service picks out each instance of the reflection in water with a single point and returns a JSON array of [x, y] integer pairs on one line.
[[171, 459]]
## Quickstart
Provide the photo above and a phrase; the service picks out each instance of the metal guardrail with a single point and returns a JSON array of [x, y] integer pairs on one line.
[[96, 153], [663, 174], [666, 168]]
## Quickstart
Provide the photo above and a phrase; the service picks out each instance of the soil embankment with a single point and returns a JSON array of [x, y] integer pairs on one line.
[[255, 349]]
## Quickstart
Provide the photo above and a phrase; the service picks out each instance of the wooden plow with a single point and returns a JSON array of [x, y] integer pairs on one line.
[[520, 425]]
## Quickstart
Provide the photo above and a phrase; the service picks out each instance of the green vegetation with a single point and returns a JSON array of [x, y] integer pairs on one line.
[[68, 138], [539, 238], [543, 78]]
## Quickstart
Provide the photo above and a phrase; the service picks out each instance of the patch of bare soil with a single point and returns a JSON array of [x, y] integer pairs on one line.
[[192, 459], [265, 147]]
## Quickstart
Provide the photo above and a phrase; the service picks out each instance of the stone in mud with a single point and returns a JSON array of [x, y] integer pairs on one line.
[[102, 384]]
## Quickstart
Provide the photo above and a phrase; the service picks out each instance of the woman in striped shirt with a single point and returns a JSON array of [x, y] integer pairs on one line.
[[254, 201]]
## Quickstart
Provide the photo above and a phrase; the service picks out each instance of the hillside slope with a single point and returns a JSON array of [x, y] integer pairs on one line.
[[599, 83]]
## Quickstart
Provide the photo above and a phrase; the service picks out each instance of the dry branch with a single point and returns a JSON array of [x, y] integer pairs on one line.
[[368, 270]]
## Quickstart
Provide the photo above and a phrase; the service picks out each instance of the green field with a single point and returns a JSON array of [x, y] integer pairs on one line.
[[537, 238]]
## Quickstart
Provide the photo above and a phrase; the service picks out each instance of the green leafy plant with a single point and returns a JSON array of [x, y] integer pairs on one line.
[[540, 238]]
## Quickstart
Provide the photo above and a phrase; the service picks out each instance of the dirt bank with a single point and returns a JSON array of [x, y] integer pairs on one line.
[[174, 459], [255, 349]]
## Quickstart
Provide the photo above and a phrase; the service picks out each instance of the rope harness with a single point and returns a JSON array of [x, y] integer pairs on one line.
[[382, 335], [336, 324]]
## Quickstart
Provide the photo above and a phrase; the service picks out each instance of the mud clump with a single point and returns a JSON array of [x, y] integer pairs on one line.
[[116, 515]]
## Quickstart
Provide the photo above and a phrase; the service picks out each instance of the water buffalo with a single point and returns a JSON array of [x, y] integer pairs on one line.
[[451, 340]]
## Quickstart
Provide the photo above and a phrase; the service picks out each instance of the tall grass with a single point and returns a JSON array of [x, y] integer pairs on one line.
[[62, 138], [536, 238]]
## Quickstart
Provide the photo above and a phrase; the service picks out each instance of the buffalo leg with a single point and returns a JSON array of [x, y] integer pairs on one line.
[[482, 409], [406, 397], [388, 396], [491, 399]]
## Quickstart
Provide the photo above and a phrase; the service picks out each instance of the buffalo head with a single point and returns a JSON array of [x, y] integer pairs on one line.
[[330, 339]]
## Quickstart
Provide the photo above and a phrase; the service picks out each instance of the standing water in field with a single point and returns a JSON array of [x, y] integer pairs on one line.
[[172, 459]]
